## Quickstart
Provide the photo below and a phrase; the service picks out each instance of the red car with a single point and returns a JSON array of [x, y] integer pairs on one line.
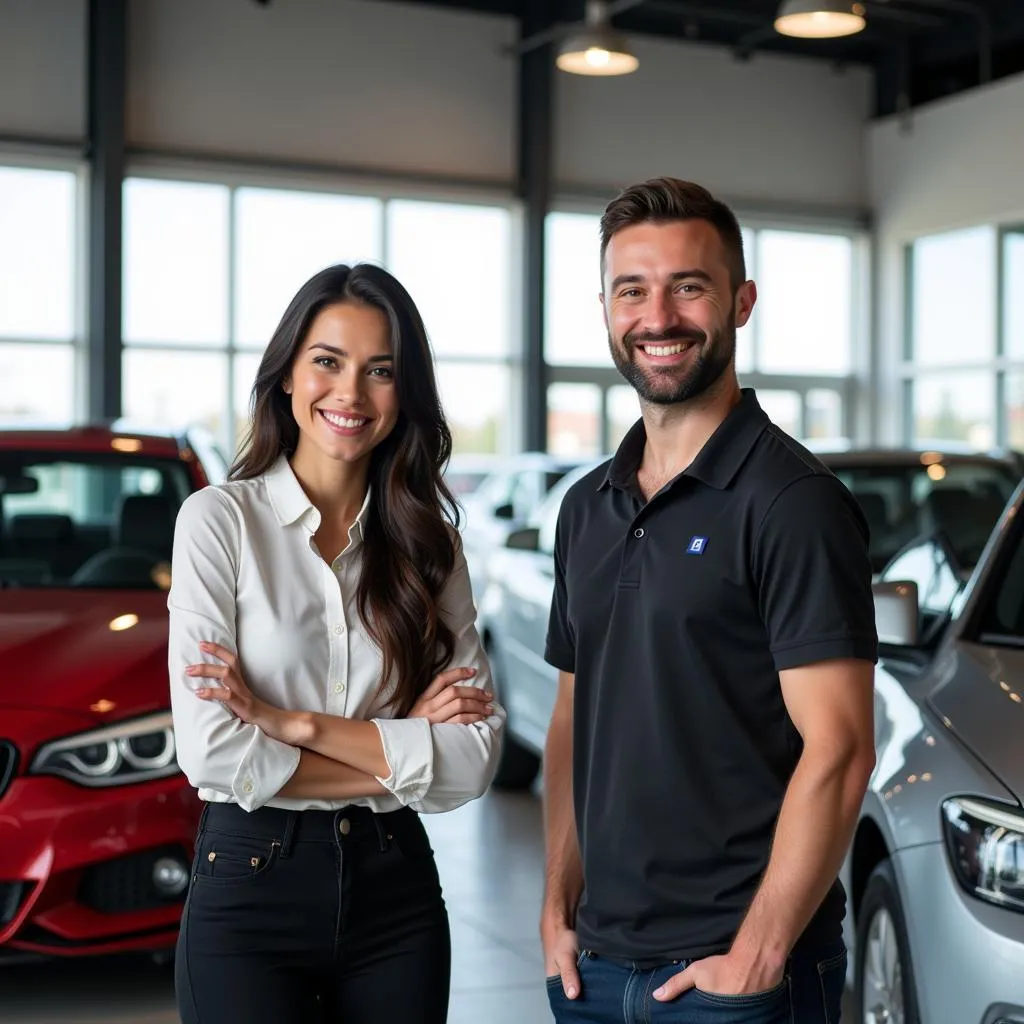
[[96, 820]]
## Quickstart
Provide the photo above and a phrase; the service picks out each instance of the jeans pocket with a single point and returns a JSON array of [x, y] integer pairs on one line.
[[832, 976], [225, 858], [749, 999], [556, 979]]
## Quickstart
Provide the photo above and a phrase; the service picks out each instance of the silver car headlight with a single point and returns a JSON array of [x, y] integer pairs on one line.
[[986, 847], [137, 750]]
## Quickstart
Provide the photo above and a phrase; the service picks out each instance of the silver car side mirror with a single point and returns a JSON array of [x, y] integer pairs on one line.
[[896, 612]]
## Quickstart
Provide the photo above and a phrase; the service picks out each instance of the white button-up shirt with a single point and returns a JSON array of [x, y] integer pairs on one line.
[[246, 574]]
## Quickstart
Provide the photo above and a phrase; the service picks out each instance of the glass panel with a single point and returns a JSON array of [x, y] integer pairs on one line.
[[37, 254], [477, 403], [955, 408], [37, 383], [171, 390], [574, 329], [623, 411], [805, 302], [903, 499], [175, 262], [455, 262], [89, 521], [282, 239], [783, 409], [245, 367], [1015, 410], [1013, 295], [574, 419], [953, 290], [825, 415], [745, 334]]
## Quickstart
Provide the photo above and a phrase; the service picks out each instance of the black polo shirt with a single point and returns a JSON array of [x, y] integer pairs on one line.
[[676, 616]]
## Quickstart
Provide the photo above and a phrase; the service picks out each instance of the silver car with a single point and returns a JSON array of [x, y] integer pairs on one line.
[[935, 874]]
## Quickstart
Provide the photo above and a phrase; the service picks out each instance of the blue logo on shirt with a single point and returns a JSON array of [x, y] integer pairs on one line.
[[697, 545]]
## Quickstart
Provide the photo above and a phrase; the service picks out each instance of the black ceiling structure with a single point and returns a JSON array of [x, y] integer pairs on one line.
[[920, 50]]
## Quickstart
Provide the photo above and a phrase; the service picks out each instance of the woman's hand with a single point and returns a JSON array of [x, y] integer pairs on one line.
[[234, 694], [444, 701]]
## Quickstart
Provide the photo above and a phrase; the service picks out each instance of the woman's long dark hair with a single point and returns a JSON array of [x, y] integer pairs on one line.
[[408, 538]]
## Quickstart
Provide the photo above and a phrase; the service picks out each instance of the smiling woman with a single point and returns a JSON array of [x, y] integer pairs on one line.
[[322, 643]]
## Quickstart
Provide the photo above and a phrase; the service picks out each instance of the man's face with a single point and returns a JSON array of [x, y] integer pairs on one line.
[[670, 308]]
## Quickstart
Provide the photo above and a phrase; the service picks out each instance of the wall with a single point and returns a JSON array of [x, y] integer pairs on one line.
[[386, 86], [952, 164], [42, 69], [772, 130]]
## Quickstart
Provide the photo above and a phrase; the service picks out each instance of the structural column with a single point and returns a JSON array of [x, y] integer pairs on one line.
[[106, 118], [535, 147]]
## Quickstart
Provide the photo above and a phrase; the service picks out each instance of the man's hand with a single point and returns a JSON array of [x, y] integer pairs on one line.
[[560, 954], [722, 976], [445, 701]]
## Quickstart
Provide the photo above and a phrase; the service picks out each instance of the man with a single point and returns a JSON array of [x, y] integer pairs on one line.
[[713, 627]]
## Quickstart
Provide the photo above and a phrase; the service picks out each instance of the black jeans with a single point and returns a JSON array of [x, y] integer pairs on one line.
[[313, 917]]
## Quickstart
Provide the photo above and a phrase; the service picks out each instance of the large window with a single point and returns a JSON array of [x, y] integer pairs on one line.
[[210, 269], [798, 349], [38, 295], [964, 358]]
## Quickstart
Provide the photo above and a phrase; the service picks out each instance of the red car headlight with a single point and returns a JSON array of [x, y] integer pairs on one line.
[[137, 750]]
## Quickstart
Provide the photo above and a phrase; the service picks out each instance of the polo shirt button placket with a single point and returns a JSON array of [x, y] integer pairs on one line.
[[638, 532]]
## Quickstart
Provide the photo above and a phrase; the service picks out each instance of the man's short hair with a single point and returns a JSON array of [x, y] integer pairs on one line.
[[664, 200]]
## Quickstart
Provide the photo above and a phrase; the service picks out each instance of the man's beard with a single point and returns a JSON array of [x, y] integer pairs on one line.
[[671, 385]]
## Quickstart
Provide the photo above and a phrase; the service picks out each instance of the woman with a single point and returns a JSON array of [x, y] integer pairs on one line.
[[327, 679]]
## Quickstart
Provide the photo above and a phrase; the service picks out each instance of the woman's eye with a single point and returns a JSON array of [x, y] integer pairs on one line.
[[382, 371], [326, 361]]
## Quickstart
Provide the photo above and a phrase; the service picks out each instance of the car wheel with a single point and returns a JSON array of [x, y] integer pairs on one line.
[[517, 765], [886, 993]]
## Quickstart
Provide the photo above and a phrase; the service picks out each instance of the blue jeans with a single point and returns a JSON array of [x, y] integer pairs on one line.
[[613, 992]]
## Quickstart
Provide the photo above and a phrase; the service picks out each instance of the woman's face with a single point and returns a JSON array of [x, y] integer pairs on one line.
[[342, 383]]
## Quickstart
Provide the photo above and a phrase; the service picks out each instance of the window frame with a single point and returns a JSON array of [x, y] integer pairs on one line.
[[852, 387], [329, 182], [56, 159], [998, 368]]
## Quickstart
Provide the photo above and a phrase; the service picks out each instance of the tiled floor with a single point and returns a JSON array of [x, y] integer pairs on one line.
[[491, 859]]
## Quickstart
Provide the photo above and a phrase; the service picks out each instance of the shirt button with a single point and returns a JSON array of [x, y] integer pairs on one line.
[[344, 826], [339, 629], [638, 532], [339, 687], [247, 787]]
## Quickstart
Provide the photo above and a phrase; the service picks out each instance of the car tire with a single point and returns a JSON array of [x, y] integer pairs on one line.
[[517, 765], [885, 989]]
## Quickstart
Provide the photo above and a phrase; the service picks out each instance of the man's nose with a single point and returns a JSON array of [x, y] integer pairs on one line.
[[660, 312]]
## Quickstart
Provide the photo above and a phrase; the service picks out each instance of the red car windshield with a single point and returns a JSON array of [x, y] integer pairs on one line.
[[87, 521]]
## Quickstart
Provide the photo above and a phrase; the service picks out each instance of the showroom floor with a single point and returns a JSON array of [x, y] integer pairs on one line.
[[491, 860]]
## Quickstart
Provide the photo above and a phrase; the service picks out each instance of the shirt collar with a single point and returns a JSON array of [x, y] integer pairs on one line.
[[716, 464], [291, 503]]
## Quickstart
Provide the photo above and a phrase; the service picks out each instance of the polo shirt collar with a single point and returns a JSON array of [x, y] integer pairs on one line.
[[716, 464], [291, 503]]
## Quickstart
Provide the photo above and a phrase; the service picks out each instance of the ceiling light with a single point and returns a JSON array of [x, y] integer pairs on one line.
[[597, 49], [819, 19]]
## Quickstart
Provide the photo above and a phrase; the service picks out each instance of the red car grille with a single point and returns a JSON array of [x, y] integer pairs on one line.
[[8, 762]]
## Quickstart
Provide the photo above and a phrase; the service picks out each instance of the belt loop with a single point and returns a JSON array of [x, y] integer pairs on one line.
[[380, 832], [291, 817]]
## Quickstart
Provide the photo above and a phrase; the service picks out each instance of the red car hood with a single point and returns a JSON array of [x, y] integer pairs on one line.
[[58, 652]]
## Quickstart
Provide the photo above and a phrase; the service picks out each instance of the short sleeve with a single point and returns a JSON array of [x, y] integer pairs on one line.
[[813, 575], [560, 649]]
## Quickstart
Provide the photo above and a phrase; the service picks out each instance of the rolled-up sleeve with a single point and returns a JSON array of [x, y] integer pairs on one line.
[[216, 751], [437, 768]]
